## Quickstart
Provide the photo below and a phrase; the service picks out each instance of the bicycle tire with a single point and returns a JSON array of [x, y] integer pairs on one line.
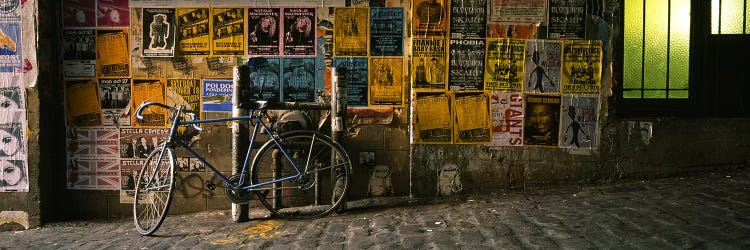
[[150, 206], [297, 197]]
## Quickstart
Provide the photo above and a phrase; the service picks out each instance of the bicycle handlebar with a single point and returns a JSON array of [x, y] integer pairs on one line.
[[192, 113], [145, 105]]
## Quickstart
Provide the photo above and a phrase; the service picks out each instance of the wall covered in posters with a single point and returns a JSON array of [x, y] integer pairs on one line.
[[14, 50], [471, 72]]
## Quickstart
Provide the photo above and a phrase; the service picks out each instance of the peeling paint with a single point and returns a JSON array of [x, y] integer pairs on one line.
[[19, 217]]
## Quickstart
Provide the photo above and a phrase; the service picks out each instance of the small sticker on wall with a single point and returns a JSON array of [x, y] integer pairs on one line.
[[380, 181], [449, 180]]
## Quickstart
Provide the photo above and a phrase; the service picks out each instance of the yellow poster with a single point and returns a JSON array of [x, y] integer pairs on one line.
[[113, 55], [505, 63], [350, 31], [429, 18], [432, 121], [148, 90], [193, 31], [82, 103], [185, 92], [386, 83], [428, 64], [582, 66], [228, 31], [472, 118]]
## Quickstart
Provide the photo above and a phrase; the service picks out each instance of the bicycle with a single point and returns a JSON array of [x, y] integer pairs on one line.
[[287, 172]]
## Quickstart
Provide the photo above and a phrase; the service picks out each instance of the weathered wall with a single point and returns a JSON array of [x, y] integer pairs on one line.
[[676, 146]]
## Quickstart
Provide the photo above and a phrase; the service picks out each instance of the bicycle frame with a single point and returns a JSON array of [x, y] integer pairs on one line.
[[173, 139]]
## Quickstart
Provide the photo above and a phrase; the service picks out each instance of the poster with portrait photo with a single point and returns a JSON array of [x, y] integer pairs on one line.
[[430, 18], [129, 170], [580, 116], [158, 32], [542, 123], [265, 83], [299, 31], [428, 63], [11, 100], [79, 13], [114, 95], [139, 142], [10, 10], [12, 143], [10, 47], [82, 103], [112, 13], [299, 80], [79, 54], [13, 168], [228, 31], [193, 32], [14, 175], [386, 83], [263, 31], [350, 31]]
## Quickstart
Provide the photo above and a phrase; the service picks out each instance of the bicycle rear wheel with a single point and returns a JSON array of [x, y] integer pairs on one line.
[[318, 191], [154, 190]]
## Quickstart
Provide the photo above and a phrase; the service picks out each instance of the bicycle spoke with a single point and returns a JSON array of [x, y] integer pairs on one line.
[[306, 196], [154, 189]]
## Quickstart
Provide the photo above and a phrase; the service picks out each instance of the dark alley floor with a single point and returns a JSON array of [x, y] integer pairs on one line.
[[710, 210]]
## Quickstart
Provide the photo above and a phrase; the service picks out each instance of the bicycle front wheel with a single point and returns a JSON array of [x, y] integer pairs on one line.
[[154, 190], [319, 187]]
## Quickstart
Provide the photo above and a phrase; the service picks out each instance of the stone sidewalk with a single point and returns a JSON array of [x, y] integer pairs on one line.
[[709, 211]]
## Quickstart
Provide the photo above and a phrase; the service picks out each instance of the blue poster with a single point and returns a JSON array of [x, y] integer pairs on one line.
[[217, 95], [10, 46], [356, 90], [386, 31], [299, 81], [264, 77]]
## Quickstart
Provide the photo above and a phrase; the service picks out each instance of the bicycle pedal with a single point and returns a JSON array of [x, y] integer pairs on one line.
[[210, 185]]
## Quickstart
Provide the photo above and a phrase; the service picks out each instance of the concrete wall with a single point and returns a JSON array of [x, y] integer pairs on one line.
[[676, 146]]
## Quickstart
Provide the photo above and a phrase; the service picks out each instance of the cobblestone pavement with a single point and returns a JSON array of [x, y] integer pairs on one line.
[[710, 211]]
